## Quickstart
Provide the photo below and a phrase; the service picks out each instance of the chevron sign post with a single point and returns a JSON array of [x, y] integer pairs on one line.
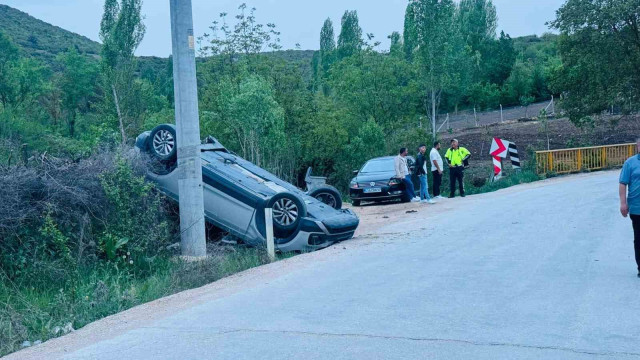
[[500, 149]]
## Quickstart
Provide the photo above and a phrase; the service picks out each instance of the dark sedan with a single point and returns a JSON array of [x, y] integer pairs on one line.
[[377, 181]]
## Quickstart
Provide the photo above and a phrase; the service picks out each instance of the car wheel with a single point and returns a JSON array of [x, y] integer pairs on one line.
[[356, 202], [163, 144], [288, 211], [328, 195]]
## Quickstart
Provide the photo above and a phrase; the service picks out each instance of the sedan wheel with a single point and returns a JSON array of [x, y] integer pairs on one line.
[[328, 195], [285, 212], [328, 199], [163, 142]]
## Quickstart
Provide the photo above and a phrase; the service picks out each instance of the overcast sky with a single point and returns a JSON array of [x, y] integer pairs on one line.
[[298, 20]]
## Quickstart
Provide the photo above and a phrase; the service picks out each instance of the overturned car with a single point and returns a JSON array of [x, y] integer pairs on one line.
[[236, 192]]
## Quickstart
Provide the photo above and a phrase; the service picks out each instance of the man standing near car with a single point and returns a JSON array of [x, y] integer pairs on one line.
[[437, 166], [457, 158], [421, 172], [630, 200], [402, 173]]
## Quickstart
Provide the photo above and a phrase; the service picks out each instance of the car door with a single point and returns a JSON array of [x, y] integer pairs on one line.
[[227, 201]]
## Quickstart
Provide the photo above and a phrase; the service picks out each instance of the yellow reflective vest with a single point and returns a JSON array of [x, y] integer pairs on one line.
[[456, 157]]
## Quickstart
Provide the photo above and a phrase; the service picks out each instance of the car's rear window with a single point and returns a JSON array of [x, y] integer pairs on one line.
[[373, 166]]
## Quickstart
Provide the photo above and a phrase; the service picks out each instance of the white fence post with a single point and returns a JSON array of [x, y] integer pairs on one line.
[[475, 116], [268, 221]]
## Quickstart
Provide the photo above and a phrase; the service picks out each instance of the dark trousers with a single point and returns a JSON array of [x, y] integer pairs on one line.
[[456, 174], [437, 182], [635, 219]]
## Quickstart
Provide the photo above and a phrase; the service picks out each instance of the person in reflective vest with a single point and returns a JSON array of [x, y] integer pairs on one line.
[[458, 159]]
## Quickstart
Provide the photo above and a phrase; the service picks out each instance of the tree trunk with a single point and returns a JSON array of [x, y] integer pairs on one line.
[[433, 113], [120, 120], [72, 124]]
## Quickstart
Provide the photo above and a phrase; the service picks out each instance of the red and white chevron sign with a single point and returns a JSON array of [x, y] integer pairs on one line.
[[501, 149], [498, 151]]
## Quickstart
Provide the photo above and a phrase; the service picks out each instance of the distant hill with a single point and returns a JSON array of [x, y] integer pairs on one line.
[[44, 42], [41, 40]]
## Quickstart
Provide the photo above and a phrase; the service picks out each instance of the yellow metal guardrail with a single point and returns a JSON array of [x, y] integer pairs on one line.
[[580, 159]]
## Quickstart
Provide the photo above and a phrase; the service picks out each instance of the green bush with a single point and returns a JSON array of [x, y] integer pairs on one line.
[[84, 240]]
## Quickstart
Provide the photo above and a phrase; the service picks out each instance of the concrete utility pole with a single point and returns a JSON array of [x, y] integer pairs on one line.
[[193, 242]]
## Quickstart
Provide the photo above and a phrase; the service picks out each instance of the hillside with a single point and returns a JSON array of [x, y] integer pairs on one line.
[[39, 39], [44, 41]]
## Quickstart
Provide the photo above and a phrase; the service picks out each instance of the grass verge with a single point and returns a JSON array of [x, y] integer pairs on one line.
[[30, 314]]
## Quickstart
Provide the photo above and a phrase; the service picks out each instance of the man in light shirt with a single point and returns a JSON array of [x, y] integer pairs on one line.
[[436, 169], [402, 172]]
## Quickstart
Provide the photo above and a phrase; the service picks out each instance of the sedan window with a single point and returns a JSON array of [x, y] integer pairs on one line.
[[375, 166]]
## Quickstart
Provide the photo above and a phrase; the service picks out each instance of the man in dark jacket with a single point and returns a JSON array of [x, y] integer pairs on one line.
[[421, 172]]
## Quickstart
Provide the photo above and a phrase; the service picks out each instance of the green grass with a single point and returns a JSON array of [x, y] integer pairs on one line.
[[515, 178], [29, 313]]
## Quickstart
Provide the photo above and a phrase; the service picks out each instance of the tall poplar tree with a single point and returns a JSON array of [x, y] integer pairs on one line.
[[410, 35], [121, 31], [350, 40], [438, 50], [478, 21], [327, 46]]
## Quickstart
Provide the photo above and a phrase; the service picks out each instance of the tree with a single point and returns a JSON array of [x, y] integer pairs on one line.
[[439, 50], [21, 79], [519, 86], [327, 37], [350, 40], [396, 43], [257, 123], [8, 60], [76, 85], [327, 50], [239, 45], [410, 35], [121, 31], [498, 66], [600, 51], [376, 87], [478, 23]]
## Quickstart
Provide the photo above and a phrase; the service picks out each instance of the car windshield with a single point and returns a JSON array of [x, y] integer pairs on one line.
[[373, 166]]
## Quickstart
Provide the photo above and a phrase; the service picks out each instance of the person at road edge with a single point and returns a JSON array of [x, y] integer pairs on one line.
[[630, 197], [402, 173], [458, 158], [421, 171], [437, 167]]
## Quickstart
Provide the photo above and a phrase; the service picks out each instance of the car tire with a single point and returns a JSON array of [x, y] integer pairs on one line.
[[163, 143], [288, 211], [328, 195], [355, 203]]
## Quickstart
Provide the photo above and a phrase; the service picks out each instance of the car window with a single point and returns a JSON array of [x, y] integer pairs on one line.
[[373, 166]]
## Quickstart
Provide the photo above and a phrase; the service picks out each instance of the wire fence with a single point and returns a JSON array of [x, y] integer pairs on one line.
[[472, 118]]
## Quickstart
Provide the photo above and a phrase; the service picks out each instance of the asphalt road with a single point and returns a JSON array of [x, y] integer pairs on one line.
[[542, 271]]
